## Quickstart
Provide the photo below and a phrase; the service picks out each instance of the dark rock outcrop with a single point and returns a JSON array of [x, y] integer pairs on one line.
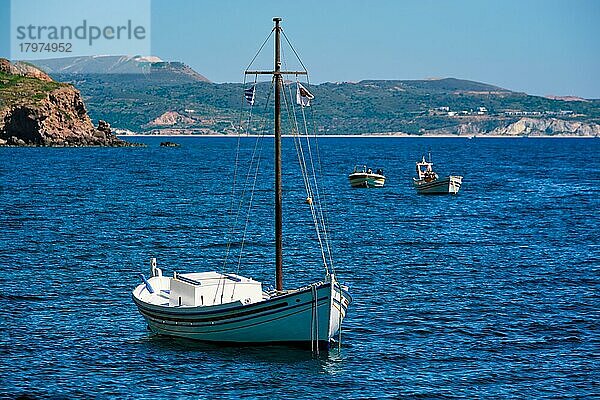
[[169, 144], [35, 111]]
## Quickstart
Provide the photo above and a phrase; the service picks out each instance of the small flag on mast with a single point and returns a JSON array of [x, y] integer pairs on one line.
[[303, 96], [249, 94]]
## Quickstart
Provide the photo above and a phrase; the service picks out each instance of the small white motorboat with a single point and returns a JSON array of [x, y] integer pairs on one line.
[[428, 182], [363, 177]]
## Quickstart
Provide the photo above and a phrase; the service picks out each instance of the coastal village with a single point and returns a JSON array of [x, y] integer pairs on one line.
[[483, 111]]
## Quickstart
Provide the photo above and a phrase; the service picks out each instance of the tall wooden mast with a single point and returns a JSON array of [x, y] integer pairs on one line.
[[278, 191], [278, 77]]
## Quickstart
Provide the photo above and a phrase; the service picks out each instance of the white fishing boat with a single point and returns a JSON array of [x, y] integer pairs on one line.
[[363, 177], [428, 182], [230, 308]]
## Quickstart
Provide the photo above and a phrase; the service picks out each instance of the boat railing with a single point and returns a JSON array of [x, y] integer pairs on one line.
[[187, 280]]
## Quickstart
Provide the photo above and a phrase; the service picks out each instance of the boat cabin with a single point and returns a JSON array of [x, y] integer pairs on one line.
[[212, 288], [425, 171], [200, 289], [362, 169]]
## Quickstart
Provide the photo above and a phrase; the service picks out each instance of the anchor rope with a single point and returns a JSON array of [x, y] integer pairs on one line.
[[312, 320], [316, 297], [340, 319]]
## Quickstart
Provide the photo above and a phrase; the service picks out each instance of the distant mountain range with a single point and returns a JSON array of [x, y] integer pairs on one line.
[[170, 97], [151, 67]]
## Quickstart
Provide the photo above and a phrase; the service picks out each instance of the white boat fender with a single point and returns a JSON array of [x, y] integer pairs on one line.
[[148, 286]]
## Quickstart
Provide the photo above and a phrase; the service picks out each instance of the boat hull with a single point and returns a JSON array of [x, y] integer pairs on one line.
[[305, 316], [366, 180], [449, 185]]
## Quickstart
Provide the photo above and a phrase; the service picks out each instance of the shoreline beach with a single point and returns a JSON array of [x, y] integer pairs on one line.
[[374, 135]]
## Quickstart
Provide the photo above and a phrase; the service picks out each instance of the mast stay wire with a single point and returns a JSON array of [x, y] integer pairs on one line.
[[256, 154], [238, 128], [304, 169], [260, 49], [246, 131], [322, 213], [318, 214], [231, 231], [256, 170]]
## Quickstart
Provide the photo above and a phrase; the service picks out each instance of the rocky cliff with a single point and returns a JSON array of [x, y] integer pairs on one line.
[[37, 111], [520, 127], [548, 126], [171, 118]]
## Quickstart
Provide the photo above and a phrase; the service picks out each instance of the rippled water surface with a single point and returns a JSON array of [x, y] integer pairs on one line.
[[491, 293]]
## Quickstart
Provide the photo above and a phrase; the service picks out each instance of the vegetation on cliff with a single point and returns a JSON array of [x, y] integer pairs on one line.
[[24, 90]]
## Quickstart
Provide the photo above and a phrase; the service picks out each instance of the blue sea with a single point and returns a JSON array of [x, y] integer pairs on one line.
[[493, 293]]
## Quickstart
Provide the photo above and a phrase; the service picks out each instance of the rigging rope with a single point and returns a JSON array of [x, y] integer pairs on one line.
[[307, 168], [294, 50], [314, 175], [237, 151], [260, 49], [322, 213], [234, 223], [304, 170], [248, 214], [251, 167], [323, 209], [307, 184], [232, 232]]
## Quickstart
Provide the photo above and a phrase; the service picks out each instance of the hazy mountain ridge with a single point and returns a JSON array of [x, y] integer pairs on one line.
[[151, 67], [440, 85]]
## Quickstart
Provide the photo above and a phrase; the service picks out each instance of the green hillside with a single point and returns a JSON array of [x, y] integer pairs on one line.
[[131, 101]]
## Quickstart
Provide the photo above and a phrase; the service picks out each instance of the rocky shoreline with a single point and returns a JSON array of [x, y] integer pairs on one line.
[[36, 111]]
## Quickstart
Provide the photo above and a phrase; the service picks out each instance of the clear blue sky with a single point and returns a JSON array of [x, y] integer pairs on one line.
[[540, 47], [536, 46]]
